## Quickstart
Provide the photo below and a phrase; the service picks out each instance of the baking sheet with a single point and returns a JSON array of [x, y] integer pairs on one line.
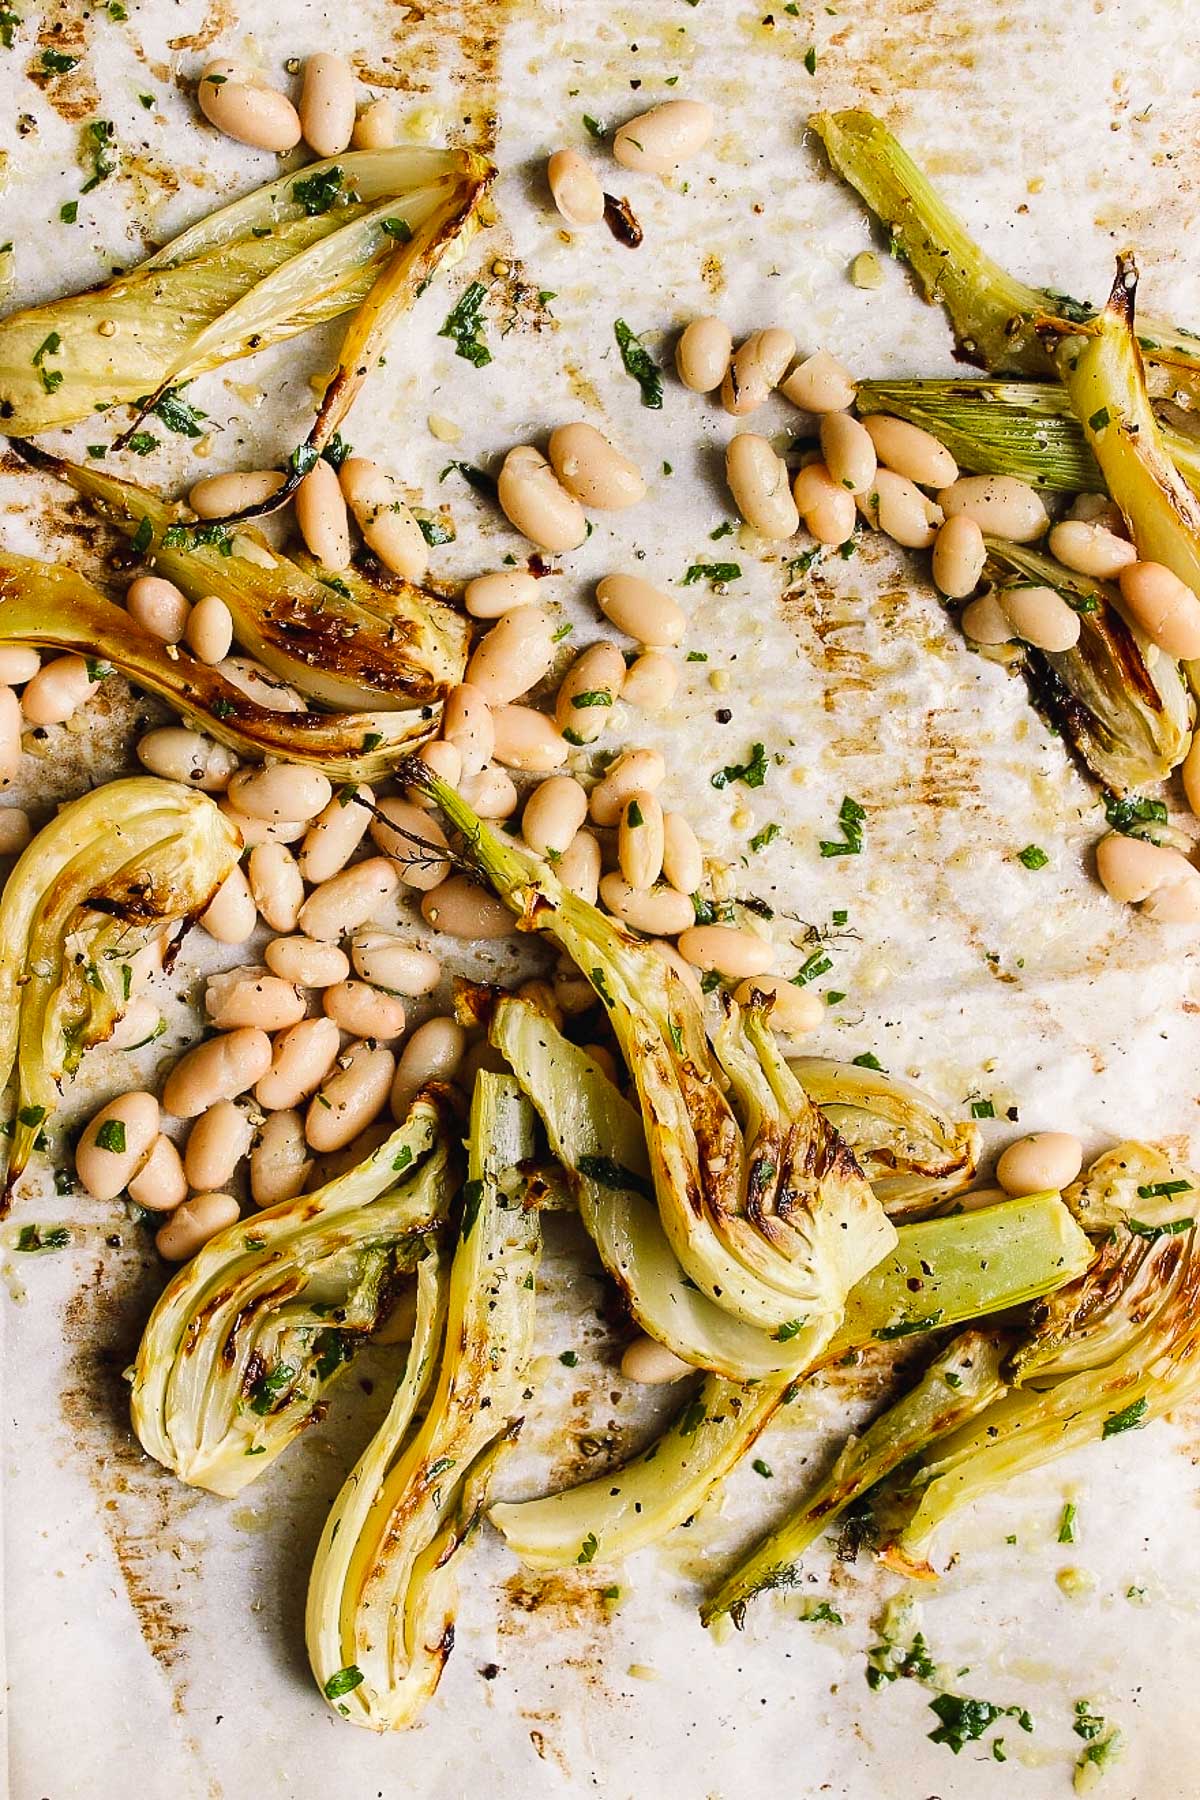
[[153, 1636]]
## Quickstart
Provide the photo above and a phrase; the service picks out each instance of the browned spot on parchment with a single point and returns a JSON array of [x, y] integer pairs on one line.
[[64, 27], [220, 17], [418, 54]]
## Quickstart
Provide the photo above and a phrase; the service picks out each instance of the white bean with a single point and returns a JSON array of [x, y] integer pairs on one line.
[[57, 690], [16, 830], [261, 831], [1098, 509], [256, 115], [467, 724], [572, 993], [828, 508], [10, 734], [758, 481], [683, 859], [1041, 617], [389, 529], [209, 629], [985, 621], [756, 370], [364, 1011], [1162, 605], [432, 1053], [553, 814], [216, 1145], [656, 142], [588, 692], [231, 914], [391, 962], [592, 468], [178, 754], [351, 1097], [794, 1010], [574, 188], [216, 496], [658, 911], [321, 516], [158, 607], [911, 451], [492, 793], [349, 899], [19, 663], [490, 596], [527, 740], [327, 103], [301, 1058], [726, 948], [666, 952], [640, 840], [441, 759], [513, 656], [191, 1225], [1176, 902], [307, 962], [848, 451], [252, 996], [115, 1143], [959, 554], [650, 682], [279, 1161], [1000, 505], [578, 868], [258, 684], [703, 353], [641, 611], [160, 1185], [376, 127], [462, 910], [896, 506], [1090, 549], [335, 834], [137, 1025], [277, 885], [533, 501], [633, 770], [1130, 869], [819, 385], [651, 1364], [1043, 1162], [281, 791], [413, 840]]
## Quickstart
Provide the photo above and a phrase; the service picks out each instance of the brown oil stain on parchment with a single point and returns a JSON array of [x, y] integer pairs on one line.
[[64, 28]]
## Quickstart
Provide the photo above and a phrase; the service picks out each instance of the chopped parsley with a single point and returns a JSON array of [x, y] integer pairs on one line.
[[592, 697], [983, 1109], [908, 1327], [867, 1061], [763, 1468], [812, 966], [594, 128], [1169, 1228], [142, 443], [786, 1332], [57, 62], [434, 532], [268, 1389], [588, 1548], [69, 212], [476, 478], [640, 364], [1128, 812], [111, 1136], [143, 537], [1033, 856], [766, 836], [177, 415], [850, 818], [819, 1612], [472, 1201], [32, 1239], [49, 346], [1099, 419], [317, 193], [963, 1719], [99, 144], [464, 323], [713, 572], [1163, 1190], [400, 229], [608, 1173], [810, 59], [8, 27], [753, 773], [1068, 1524], [344, 1682], [1130, 1418], [568, 1358]]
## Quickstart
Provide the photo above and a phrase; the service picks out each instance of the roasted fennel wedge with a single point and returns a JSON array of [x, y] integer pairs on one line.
[[381, 1598], [1120, 702], [50, 605], [1105, 1354], [351, 644], [765, 1208], [942, 1272], [246, 1339], [363, 230], [108, 874]]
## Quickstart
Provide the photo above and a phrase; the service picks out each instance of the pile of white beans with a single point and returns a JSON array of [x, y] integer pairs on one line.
[[240, 103]]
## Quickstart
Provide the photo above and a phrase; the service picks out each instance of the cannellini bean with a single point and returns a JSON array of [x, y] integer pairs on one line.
[[216, 496], [301, 1058], [985, 621], [1001, 505], [1131, 869], [634, 770], [462, 910], [1162, 605], [252, 996], [1043, 1162], [1098, 509], [364, 1011], [178, 754], [658, 911], [605, 1061], [349, 898], [651, 1364], [158, 606], [115, 1143], [553, 814], [758, 481], [389, 529], [1176, 902], [667, 953], [532, 499], [703, 353], [441, 759], [276, 884], [527, 740], [336, 1163], [820, 384], [413, 840], [160, 1185], [650, 682], [572, 993], [376, 127], [432, 1053], [656, 142], [910, 451], [641, 611], [540, 994], [281, 791], [57, 690], [279, 1161], [191, 1225], [827, 508], [895, 505], [209, 629], [327, 103], [147, 962], [1040, 616], [19, 663], [391, 962], [261, 831], [490, 596], [307, 962], [578, 868], [1090, 549], [321, 516], [726, 948], [588, 693], [959, 554], [351, 1097], [492, 793], [216, 1145], [640, 840], [513, 656], [335, 834], [231, 914], [231, 99], [16, 830], [258, 684], [136, 1026], [592, 468], [756, 370], [794, 1010], [467, 724], [683, 860], [10, 734], [574, 188], [849, 452]]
